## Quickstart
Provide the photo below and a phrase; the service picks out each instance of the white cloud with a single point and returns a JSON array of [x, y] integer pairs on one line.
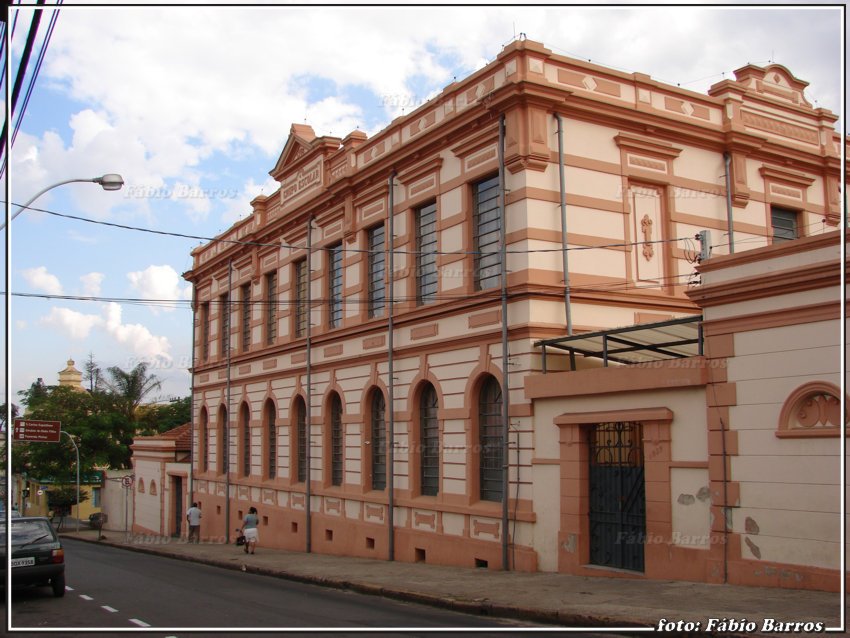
[[42, 280], [136, 337], [75, 325], [91, 283], [240, 207], [188, 97], [21, 324], [159, 283], [79, 237]]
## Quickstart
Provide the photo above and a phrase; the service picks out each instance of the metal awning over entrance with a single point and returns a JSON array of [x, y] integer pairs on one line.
[[644, 343]]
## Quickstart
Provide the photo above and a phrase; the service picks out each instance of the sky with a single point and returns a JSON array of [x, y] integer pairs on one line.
[[193, 105]]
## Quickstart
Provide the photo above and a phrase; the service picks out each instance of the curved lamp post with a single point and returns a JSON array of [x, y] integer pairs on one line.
[[109, 182], [77, 450]]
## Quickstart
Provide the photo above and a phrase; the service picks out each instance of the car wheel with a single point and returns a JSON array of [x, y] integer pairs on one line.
[[58, 585]]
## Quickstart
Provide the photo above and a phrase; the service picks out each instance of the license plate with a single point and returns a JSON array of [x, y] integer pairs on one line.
[[23, 562]]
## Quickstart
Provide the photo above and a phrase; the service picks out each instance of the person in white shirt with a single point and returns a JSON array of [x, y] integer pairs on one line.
[[193, 516]]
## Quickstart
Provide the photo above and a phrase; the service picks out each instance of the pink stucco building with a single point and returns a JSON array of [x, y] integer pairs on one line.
[[368, 361]]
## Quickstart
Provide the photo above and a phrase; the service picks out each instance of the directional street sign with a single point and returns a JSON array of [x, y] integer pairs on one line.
[[33, 430]]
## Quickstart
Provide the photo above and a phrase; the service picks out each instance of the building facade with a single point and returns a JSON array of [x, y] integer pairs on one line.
[[363, 338], [159, 483], [747, 432]]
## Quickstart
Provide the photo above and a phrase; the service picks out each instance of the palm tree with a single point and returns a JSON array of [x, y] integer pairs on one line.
[[131, 388]]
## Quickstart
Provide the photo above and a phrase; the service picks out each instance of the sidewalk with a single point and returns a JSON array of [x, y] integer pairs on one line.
[[560, 599]]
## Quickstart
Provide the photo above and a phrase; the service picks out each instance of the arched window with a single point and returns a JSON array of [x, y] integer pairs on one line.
[[245, 430], [337, 441], [490, 440], [141, 487], [271, 439], [813, 410], [222, 434], [429, 442], [152, 490], [301, 440], [378, 440], [203, 441]]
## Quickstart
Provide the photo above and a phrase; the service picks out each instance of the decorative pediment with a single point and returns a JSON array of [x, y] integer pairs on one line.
[[812, 410], [774, 81], [299, 143]]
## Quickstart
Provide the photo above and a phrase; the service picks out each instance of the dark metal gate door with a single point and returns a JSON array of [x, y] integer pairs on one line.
[[617, 498], [178, 505]]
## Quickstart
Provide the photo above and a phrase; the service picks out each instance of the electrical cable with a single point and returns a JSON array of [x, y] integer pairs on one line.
[[348, 250], [51, 25], [19, 77]]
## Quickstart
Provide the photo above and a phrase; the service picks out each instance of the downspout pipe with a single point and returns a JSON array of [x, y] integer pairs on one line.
[[564, 251], [390, 373], [309, 407], [227, 446], [192, 430], [505, 372], [727, 160]]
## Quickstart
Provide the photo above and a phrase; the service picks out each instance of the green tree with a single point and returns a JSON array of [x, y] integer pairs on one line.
[[131, 388], [103, 422], [82, 417], [156, 419], [93, 374]]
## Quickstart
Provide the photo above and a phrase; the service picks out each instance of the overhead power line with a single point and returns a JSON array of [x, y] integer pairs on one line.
[[621, 286], [354, 250]]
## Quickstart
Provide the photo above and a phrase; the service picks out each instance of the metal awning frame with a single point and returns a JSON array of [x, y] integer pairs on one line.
[[615, 342]]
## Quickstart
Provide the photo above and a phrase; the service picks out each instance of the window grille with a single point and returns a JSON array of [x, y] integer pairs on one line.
[[335, 286], [376, 275], [271, 307], [246, 317], [379, 442], [491, 442], [205, 331], [271, 432], [301, 310], [429, 441], [224, 322], [487, 224], [784, 224], [246, 441], [301, 440], [203, 441], [337, 441], [224, 448], [426, 253]]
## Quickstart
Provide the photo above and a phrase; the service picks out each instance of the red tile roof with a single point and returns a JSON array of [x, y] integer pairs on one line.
[[181, 435]]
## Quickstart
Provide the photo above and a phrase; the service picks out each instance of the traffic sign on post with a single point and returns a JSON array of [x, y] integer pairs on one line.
[[35, 430]]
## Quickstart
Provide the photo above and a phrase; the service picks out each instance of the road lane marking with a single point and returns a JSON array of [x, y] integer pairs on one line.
[[139, 622], [68, 588], [108, 608], [84, 597]]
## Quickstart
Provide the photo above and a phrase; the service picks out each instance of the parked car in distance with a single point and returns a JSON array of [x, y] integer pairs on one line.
[[37, 554]]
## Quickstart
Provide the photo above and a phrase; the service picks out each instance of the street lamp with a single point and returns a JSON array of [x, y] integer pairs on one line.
[[109, 182], [77, 450]]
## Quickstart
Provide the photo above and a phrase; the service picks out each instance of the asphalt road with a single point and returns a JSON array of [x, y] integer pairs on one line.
[[109, 587]]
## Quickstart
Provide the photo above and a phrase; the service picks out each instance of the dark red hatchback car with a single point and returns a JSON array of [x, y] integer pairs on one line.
[[37, 554]]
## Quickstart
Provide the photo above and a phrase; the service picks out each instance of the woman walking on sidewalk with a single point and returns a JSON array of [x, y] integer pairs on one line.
[[249, 530]]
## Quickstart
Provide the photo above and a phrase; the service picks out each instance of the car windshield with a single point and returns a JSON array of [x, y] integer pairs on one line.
[[24, 531]]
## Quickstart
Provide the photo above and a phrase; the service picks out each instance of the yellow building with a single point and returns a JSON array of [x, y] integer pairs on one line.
[[32, 495]]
